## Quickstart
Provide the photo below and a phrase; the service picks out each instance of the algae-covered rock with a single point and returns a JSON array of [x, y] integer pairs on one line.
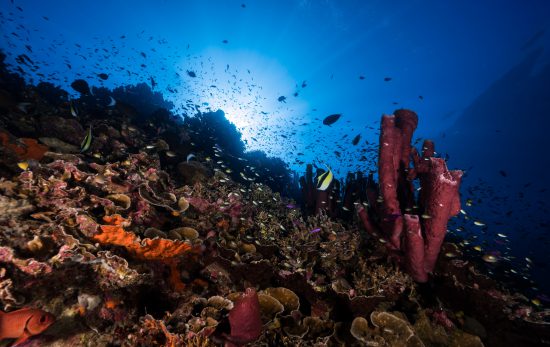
[[58, 145], [193, 172]]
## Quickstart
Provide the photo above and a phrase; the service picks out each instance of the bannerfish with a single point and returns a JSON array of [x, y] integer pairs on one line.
[[74, 111], [324, 181], [24, 323], [87, 142], [332, 119]]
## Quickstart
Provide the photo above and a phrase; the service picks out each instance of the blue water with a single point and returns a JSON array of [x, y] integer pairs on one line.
[[477, 73]]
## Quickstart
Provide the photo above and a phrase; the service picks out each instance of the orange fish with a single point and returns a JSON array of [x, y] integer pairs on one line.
[[24, 323]]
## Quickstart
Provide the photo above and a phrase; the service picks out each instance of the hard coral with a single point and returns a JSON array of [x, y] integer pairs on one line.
[[28, 266], [12, 208], [395, 330]]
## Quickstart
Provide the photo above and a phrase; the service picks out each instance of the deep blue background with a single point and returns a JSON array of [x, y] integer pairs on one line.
[[481, 67]]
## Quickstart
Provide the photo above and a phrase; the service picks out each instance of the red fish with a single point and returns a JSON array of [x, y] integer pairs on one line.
[[24, 323]]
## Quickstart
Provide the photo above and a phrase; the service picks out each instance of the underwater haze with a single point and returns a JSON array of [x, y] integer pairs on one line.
[[307, 82]]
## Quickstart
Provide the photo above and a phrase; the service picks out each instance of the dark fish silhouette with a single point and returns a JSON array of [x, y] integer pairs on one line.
[[356, 140], [81, 86], [282, 98], [103, 76], [332, 119], [387, 79], [191, 73]]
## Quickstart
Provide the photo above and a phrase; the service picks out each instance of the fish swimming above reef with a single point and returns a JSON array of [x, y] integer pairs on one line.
[[281, 98], [332, 119], [24, 165], [81, 86], [191, 73], [74, 110], [112, 103], [356, 140], [324, 181], [103, 76], [87, 142], [24, 323]]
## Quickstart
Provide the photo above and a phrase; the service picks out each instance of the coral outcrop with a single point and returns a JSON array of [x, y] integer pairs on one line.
[[415, 230]]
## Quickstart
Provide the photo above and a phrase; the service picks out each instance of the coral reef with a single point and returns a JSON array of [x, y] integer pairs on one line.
[[134, 243]]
